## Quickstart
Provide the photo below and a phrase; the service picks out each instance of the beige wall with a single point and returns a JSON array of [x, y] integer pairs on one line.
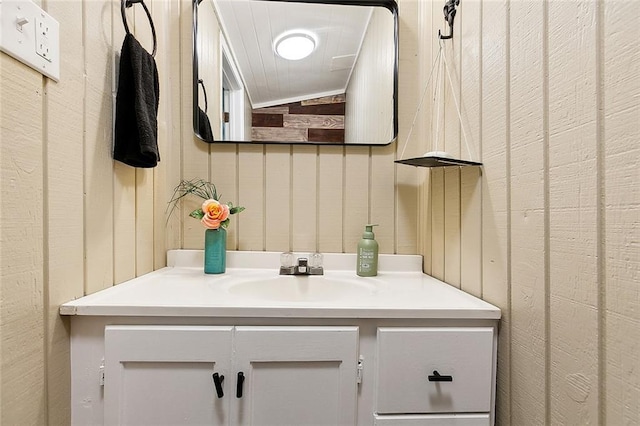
[[73, 221], [547, 229]]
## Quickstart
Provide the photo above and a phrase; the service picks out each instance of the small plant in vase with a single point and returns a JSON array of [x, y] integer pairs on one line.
[[213, 215]]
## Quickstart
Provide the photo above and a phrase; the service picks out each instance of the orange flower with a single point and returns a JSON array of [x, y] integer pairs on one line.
[[214, 214]]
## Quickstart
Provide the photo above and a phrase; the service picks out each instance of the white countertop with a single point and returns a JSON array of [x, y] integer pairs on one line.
[[251, 287]]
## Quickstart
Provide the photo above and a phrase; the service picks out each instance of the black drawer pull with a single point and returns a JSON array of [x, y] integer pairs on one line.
[[240, 383], [438, 378], [217, 380]]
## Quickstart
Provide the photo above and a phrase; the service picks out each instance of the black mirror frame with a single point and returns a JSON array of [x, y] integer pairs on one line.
[[391, 5]]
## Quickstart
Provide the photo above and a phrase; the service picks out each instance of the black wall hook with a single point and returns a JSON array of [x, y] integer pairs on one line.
[[449, 15]]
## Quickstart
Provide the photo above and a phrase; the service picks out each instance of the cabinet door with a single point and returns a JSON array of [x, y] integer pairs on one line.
[[162, 375], [296, 376]]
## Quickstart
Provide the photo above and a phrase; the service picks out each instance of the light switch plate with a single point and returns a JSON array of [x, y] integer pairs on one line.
[[30, 35]]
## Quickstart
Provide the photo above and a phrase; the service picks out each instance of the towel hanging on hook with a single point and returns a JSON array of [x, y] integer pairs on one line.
[[204, 125], [128, 3], [137, 101], [204, 92]]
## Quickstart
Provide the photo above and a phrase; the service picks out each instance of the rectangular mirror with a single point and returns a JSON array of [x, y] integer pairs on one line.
[[302, 72]]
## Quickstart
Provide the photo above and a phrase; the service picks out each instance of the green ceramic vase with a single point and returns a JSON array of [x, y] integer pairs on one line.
[[215, 251]]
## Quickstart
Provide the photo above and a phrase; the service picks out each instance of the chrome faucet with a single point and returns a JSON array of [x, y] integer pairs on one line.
[[302, 265]]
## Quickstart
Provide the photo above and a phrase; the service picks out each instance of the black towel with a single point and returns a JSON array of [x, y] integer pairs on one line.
[[136, 130], [204, 126]]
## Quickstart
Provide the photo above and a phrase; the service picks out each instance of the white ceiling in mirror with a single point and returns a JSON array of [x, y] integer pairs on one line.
[[251, 27]]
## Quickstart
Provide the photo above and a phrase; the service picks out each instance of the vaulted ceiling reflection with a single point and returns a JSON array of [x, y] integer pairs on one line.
[[252, 27]]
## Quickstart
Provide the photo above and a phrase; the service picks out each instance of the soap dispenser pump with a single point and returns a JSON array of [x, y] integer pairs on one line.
[[367, 254]]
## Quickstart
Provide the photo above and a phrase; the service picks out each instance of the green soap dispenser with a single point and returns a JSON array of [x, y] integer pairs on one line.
[[367, 254]]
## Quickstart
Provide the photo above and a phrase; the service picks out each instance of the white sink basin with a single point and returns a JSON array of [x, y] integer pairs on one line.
[[301, 288]]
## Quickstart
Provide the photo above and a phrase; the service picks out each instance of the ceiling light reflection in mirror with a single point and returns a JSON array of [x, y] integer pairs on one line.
[[295, 45]]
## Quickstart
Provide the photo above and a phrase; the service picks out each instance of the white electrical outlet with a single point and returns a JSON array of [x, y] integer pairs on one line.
[[42, 38], [30, 35]]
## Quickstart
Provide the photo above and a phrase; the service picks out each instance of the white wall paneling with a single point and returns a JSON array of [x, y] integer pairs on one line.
[[124, 176], [279, 206], [64, 242], [528, 168], [471, 177], [22, 318], [330, 199], [619, 218], [573, 180], [304, 198]]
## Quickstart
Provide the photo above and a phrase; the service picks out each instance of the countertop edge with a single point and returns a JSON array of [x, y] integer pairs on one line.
[[280, 312]]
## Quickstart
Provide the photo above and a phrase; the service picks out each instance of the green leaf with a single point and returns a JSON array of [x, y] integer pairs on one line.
[[197, 213], [234, 210]]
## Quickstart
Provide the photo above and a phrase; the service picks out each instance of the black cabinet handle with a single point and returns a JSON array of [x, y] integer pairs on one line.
[[240, 385], [438, 378], [217, 380]]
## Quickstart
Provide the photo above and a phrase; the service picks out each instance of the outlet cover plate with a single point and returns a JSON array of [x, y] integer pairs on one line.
[[30, 35]]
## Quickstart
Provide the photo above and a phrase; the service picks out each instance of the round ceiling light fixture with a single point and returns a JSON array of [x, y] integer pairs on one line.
[[295, 45]]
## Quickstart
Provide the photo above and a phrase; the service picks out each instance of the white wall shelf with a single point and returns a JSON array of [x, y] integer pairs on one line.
[[429, 161]]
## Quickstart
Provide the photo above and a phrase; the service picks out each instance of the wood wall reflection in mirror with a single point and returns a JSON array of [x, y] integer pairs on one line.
[[343, 92]]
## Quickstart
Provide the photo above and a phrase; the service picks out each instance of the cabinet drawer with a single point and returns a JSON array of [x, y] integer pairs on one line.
[[410, 359], [433, 420]]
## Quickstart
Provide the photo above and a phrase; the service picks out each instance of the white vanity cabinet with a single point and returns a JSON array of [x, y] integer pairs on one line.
[[296, 371], [399, 349], [220, 375]]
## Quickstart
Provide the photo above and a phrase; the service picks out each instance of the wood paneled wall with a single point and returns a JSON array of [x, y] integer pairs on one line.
[[318, 120], [73, 220], [303, 198], [548, 229]]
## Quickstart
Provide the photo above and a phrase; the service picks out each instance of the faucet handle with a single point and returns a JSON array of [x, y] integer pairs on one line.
[[315, 264], [315, 260], [286, 263], [286, 260]]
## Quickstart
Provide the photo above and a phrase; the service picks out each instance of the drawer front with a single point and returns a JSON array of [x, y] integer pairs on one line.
[[434, 420], [411, 359]]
